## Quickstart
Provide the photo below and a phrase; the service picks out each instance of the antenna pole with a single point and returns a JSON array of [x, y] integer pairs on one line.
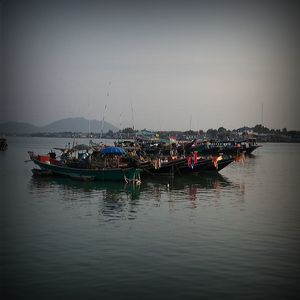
[[107, 94], [262, 114], [132, 116]]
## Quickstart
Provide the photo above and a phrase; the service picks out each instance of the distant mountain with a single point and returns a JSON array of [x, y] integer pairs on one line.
[[17, 128], [78, 125], [64, 125]]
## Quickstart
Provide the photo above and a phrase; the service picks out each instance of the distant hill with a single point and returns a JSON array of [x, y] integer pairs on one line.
[[64, 125], [78, 125], [17, 128]]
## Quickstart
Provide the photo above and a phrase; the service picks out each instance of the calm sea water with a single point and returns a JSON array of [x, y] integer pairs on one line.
[[234, 236]]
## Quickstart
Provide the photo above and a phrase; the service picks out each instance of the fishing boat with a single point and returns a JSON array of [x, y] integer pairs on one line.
[[3, 144], [104, 165], [166, 158]]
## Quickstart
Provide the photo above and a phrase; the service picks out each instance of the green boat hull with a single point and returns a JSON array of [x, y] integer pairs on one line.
[[114, 174]]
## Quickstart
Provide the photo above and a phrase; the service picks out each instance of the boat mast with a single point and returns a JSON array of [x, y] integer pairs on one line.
[[132, 116], [120, 126], [262, 114], [89, 100], [107, 94], [103, 122]]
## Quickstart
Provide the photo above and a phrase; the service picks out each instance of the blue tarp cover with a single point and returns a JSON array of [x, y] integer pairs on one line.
[[113, 150]]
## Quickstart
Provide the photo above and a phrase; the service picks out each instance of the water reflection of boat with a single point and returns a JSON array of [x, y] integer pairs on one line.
[[114, 200], [66, 183], [193, 190], [209, 181]]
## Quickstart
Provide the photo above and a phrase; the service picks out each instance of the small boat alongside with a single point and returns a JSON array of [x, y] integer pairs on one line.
[[3, 144]]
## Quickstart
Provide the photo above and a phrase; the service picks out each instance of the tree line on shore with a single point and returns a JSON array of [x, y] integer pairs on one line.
[[259, 131]]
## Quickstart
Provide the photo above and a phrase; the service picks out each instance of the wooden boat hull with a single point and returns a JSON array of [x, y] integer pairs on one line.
[[250, 149], [221, 165], [231, 151], [201, 165], [181, 167], [208, 151], [207, 165], [166, 169], [115, 174]]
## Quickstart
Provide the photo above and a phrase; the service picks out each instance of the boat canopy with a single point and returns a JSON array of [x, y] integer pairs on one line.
[[113, 150]]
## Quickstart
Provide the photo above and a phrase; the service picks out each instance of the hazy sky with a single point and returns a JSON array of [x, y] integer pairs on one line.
[[176, 64]]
